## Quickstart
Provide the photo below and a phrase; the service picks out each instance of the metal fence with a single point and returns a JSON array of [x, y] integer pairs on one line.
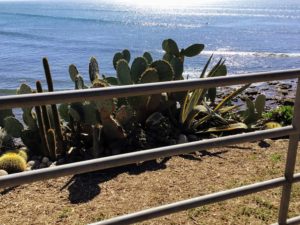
[[124, 159]]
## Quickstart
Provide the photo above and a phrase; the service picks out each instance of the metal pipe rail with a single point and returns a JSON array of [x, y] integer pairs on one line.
[[293, 131], [27, 100]]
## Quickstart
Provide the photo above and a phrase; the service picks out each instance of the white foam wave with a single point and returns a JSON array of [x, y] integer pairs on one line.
[[253, 54]]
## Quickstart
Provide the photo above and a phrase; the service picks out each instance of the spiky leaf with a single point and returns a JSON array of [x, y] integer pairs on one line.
[[260, 103]]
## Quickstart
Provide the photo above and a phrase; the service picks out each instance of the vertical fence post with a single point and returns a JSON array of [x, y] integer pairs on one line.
[[290, 161]]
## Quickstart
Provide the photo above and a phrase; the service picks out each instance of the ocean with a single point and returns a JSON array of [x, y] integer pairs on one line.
[[256, 35]]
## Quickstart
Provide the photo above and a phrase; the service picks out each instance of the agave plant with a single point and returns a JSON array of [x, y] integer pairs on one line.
[[195, 111]]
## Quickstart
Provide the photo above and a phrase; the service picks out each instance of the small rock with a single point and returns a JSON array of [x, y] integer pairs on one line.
[[32, 163], [284, 86], [3, 173], [45, 160], [182, 139], [288, 101], [192, 137]]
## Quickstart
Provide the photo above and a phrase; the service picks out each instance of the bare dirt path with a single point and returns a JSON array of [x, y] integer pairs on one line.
[[96, 196]]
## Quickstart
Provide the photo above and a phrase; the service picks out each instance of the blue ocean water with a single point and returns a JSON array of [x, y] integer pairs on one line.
[[256, 35]]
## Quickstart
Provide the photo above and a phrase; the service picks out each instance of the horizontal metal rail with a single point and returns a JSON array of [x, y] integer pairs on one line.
[[194, 202], [135, 157], [141, 89]]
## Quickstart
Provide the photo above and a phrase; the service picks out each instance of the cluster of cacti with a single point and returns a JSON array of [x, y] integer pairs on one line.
[[14, 161], [254, 109], [43, 132], [101, 127]]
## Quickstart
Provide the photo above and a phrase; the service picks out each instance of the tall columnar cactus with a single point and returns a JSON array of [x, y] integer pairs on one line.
[[58, 132]]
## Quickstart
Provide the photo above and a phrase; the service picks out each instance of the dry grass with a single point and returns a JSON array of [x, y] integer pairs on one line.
[[97, 196]]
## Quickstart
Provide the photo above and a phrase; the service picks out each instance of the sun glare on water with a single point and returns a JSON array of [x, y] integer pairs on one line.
[[165, 3]]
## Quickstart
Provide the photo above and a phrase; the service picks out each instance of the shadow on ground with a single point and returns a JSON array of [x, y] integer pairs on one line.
[[84, 187]]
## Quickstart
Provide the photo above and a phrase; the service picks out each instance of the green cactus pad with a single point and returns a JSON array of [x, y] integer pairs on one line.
[[260, 104], [148, 57], [150, 75], [126, 55], [106, 107], [32, 141], [111, 80], [124, 114], [12, 163], [63, 110], [139, 65], [3, 114], [164, 70], [168, 57], [91, 115], [193, 50], [94, 69], [112, 129], [29, 118], [170, 46], [76, 111], [73, 72], [13, 127], [79, 83], [100, 83], [51, 143], [24, 89], [118, 56], [177, 65], [123, 72]]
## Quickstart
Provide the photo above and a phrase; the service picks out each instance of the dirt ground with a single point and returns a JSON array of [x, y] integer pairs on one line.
[[101, 195]]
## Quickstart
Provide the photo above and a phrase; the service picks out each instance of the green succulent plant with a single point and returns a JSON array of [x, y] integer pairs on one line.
[[12, 162]]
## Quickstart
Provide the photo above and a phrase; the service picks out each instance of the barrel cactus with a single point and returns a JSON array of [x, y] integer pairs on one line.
[[12, 162]]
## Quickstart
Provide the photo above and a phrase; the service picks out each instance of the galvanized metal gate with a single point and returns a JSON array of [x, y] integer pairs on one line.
[[145, 89]]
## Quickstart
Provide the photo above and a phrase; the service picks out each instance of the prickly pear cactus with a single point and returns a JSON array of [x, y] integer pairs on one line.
[[164, 70], [139, 65], [94, 70], [123, 72], [13, 126]]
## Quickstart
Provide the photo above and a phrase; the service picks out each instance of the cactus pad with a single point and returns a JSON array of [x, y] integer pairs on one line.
[[123, 72], [170, 46], [193, 50], [164, 70], [13, 126], [93, 69], [73, 72], [139, 65]]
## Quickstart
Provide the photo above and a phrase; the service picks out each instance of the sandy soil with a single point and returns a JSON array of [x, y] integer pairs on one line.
[[100, 195]]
